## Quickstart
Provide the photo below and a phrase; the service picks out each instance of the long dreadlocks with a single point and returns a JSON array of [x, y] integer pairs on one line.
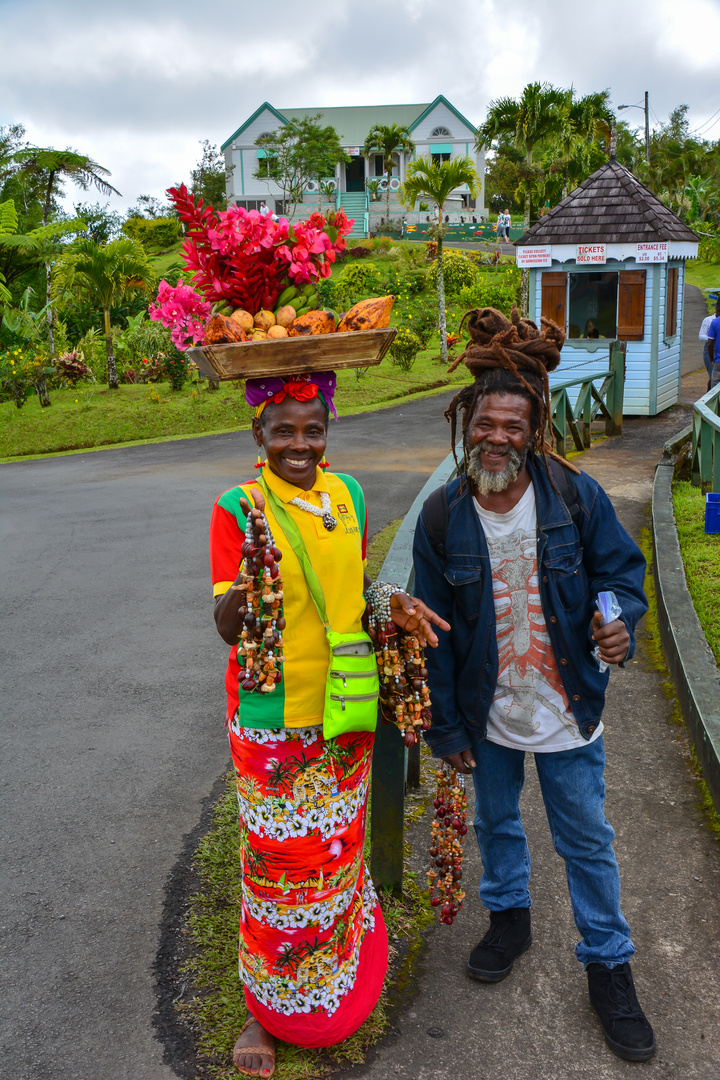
[[508, 356]]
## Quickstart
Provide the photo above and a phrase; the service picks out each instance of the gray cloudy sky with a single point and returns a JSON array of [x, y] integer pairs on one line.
[[136, 84]]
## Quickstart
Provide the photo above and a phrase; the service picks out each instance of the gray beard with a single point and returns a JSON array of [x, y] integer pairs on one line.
[[486, 483]]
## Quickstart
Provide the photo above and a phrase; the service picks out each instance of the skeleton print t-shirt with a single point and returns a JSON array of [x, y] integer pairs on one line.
[[530, 709]]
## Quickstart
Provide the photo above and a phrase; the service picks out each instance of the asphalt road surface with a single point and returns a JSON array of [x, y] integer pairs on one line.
[[113, 718]]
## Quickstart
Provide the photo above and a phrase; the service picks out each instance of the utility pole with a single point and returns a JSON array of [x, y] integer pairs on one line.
[[647, 129]]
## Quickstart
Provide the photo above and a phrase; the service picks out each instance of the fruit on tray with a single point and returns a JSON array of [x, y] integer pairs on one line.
[[264, 320], [220, 330], [373, 314], [313, 322], [285, 315], [277, 332], [258, 335], [243, 318]]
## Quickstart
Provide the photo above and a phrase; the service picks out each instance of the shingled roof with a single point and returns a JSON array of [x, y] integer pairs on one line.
[[610, 207]]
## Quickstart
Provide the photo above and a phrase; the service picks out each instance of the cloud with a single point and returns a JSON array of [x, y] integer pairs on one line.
[[137, 86]]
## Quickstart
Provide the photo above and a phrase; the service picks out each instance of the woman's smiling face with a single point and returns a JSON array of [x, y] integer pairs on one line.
[[293, 436]]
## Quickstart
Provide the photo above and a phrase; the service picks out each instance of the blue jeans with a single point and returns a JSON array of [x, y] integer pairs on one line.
[[573, 790]]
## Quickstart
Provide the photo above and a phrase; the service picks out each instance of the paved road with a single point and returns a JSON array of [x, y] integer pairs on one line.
[[113, 718]]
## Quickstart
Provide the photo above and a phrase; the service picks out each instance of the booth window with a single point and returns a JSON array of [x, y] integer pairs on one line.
[[596, 304], [671, 301]]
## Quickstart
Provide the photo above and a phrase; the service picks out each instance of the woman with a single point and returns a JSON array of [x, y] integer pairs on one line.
[[313, 945]]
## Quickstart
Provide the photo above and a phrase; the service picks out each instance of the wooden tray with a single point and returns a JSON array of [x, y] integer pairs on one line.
[[293, 356]]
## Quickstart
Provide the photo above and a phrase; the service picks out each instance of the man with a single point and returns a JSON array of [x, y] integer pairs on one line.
[[516, 568], [713, 348], [263, 209]]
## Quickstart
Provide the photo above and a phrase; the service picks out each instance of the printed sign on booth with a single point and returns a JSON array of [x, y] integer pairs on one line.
[[591, 253], [652, 253], [534, 256]]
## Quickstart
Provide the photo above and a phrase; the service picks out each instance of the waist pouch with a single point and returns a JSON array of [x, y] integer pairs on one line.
[[352, 684]]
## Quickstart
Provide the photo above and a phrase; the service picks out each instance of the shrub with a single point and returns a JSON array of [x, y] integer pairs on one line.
[[160, 232], [493, 290], [177, 368], [405, 347], [430, 250], [458, 272], [382, 243], [422, 320], [413, 282], [356, 281], [359, 252], [20, 371], [327, 293], [72, 368]]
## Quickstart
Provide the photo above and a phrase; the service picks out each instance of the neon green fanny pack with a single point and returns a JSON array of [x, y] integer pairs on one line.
[[352, 684]]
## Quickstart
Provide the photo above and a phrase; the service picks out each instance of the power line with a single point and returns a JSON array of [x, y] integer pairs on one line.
[[707, 123]]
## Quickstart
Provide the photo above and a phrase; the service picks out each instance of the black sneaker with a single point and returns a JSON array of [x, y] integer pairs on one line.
[[627, 1030], [508, 935]]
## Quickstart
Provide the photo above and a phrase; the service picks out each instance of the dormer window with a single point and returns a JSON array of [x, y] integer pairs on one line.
[[440, 132]]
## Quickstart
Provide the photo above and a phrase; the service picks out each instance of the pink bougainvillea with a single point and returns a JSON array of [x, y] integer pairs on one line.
[[183, 310]]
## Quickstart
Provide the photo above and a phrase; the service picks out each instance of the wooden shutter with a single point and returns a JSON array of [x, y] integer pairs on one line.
[[671, 297], [631, 305], [554, 290]]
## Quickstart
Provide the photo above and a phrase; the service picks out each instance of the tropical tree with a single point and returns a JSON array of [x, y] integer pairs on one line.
[[50, 168], [428, 180], [302, 150], [104, 276], [388, 139], [573, 150]]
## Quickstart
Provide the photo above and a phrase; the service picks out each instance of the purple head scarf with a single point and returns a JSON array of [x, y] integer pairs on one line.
[[260, 392]]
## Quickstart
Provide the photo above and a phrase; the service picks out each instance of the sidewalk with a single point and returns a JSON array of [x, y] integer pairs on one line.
[[538, 1024]]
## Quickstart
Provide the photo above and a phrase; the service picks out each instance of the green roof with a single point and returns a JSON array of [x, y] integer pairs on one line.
[[353, 122]]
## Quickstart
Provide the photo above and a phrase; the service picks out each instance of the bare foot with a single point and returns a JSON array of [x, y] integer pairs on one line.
[[254, 1053]]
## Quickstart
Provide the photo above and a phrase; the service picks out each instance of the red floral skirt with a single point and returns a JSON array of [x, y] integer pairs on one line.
[[313, 946]]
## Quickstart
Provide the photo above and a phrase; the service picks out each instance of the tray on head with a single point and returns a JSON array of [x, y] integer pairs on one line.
[[292, 356]]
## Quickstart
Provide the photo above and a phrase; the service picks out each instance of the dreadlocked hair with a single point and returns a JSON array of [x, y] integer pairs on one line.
[[508, 356]]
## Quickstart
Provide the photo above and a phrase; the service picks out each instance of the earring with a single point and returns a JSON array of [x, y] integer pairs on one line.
[[260, 461], [324, 464]]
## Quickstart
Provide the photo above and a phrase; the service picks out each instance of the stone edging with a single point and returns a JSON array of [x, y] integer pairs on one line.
[[692, 665]]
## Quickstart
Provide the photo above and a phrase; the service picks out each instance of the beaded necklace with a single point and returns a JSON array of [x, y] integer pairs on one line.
[[448, 830], [259, 650], [327, 518], [404, 695]]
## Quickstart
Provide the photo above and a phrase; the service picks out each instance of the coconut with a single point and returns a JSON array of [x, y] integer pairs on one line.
[[277, 332], [243, 318], [285, 315], [264, 320]]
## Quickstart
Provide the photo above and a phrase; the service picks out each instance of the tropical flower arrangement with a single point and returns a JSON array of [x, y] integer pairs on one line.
[[244, 259]]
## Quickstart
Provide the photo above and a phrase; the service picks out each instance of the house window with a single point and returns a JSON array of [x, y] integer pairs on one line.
[[439, 133], [671, 301], [439, 158], [254, 204], [379, 165], [596, 304]]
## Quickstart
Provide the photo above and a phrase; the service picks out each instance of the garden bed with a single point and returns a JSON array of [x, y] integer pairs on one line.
[[701, 558]]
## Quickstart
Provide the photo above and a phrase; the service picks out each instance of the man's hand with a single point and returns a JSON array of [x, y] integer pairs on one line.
[[463, 762], [414, 617], [613, 639]]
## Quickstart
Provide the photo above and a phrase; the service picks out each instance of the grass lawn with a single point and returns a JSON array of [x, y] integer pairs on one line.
[[703, 274], [701, 557], [95, 416]]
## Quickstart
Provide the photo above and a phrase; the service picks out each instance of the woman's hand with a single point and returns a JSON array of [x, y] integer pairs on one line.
[[415, 617], [613, 639]]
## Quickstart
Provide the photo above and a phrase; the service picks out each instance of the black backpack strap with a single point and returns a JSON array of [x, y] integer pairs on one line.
[[435, 516], [568, 491]]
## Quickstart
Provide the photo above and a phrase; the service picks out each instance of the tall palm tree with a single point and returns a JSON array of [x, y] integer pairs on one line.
[[388, 140], [427, 180], [581, 123], [104, 276], [50, 168], [527, 121]]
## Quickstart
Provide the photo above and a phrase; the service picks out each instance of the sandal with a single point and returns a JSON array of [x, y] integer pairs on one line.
[[261, 1051]]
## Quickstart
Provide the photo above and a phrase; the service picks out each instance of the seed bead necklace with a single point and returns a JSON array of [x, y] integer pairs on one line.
[[260, 647], [327, 518], [448, 831]]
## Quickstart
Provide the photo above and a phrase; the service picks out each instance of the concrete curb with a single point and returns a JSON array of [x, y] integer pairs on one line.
[[692, 665]]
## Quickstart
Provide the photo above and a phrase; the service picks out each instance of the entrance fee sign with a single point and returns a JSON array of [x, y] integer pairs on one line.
[[533, 256], [652, 253], [591, 253]]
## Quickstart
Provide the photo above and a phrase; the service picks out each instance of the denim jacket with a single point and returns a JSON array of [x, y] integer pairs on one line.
[[573, 567]]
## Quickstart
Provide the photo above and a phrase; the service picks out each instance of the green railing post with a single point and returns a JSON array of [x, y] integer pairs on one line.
[[616, 391], [387, 809]]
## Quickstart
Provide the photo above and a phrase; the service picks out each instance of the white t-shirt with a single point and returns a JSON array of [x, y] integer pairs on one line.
[[263, 209], [704, 327], [530, 709]]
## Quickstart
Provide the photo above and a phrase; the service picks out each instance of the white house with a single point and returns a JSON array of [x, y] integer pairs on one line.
[[607, 263], [437, 128]]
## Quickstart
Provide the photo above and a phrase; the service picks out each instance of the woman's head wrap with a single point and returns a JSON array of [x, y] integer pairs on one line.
[[273, 389]]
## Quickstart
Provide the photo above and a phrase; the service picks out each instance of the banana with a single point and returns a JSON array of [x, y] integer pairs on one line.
[[313, 303], [286, 296], [308, 290], [299, 303]]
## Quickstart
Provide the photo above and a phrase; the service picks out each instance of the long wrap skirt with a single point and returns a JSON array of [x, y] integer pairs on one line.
[[313, 945]]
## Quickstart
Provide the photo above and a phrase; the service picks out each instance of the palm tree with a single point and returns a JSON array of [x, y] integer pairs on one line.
[[425, 179], [388, 140], [528, 120], [104, 276], [581, 122], [49, 168]]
